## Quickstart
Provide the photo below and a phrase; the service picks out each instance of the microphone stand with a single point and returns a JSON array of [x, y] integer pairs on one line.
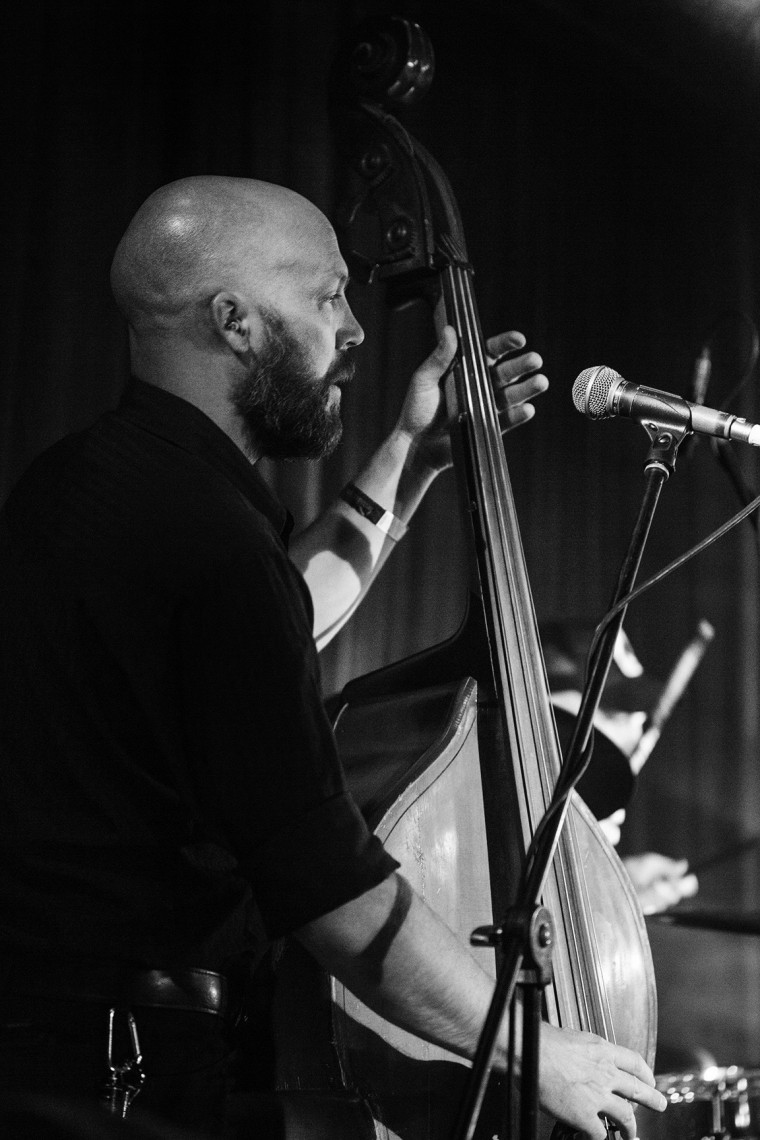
[[660, 462], [526, 934]]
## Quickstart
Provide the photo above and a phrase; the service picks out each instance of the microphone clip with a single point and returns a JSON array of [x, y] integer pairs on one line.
[[665, 441]]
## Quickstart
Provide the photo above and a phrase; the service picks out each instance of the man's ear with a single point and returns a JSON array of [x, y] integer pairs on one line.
[[234, 321]]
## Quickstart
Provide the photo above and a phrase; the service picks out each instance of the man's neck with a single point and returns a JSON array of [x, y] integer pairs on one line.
[[201, 383]]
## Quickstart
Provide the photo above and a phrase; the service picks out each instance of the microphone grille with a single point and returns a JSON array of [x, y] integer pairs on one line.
[[591, 389]]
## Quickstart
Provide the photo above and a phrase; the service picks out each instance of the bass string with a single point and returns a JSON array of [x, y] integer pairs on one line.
[[536, 734], [524, 674]]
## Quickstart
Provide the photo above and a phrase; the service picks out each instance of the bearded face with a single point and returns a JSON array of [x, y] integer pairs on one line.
[[288, 410]]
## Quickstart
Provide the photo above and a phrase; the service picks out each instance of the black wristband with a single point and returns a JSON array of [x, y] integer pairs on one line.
[[384, 520]]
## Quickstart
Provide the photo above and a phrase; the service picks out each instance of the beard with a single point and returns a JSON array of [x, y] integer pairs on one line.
[[284, 405]]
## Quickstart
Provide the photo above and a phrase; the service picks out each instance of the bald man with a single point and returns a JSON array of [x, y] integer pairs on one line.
[[171, 800]]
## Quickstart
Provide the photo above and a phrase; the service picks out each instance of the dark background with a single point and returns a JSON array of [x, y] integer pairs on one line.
[[605, 159]]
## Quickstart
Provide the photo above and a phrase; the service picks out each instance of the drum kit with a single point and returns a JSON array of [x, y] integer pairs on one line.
[[717, 1104]]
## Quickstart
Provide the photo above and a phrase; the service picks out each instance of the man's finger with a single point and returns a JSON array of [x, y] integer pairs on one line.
[[505, 343], [523, 366], [522, 388], [439, 360], [513, 417], [621, 1111]]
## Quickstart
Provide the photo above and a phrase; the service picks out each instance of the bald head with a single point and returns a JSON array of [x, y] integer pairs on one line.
[[225, 280], [198, 236]]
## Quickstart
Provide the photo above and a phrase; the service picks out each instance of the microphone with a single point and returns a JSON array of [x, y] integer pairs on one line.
[[602, 392]]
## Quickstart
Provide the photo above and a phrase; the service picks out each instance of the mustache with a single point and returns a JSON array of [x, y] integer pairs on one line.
[[341, 371]]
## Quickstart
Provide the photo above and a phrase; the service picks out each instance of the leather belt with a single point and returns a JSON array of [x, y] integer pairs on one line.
[[188, 989]]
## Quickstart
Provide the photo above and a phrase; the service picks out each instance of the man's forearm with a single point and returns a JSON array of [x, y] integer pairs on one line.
[[411, 969], [406, 965], [341, 552]]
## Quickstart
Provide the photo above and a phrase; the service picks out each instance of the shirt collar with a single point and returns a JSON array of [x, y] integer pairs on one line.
[[182, 423]]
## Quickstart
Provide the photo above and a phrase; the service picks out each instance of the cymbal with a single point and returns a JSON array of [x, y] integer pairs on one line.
[[734, 922]]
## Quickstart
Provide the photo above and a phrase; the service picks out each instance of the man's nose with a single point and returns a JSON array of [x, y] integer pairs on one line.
[[351, 332]]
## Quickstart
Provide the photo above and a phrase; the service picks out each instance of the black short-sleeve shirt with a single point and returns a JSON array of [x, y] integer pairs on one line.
[[170, 791]]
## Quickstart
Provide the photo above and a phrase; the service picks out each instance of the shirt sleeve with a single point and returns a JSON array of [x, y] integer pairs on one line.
[[263, 757]]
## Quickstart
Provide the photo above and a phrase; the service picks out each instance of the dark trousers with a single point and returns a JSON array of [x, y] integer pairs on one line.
[[199, 1080]]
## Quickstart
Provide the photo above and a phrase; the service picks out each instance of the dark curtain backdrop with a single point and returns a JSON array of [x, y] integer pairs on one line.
[[604, 155]]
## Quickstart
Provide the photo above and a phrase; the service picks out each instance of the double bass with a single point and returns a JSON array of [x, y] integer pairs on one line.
[[452, 754]]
